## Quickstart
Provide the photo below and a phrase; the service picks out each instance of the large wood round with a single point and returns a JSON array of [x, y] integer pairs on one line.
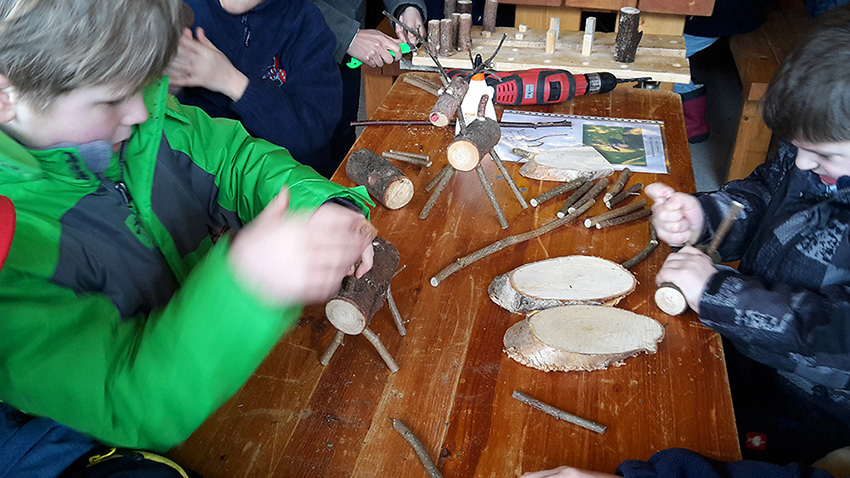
[[581, 337], [562, 281]]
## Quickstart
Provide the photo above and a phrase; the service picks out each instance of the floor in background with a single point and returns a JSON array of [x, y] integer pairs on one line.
[[715, 68]]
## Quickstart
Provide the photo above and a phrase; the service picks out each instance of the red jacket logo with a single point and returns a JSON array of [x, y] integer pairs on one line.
[[275, 73]]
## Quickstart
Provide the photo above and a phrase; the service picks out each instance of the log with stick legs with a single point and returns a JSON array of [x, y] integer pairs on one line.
[[357, 301]]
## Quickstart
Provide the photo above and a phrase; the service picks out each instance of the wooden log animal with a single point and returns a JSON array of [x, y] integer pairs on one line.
[[561, 281], [384, 181], [352, 308], [581, 337], [448, 101], [467, 149]]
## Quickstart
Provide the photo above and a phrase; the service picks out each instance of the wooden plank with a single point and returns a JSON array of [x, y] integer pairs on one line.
[[661, 57], [610, 5], [678, 7], [754, 60], [538, 17], [752, 141], [661, 24], [534, 3]]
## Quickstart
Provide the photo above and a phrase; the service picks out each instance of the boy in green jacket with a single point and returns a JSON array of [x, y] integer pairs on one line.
[[119, 317]]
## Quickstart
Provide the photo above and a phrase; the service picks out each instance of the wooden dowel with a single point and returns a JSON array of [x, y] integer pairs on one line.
[[399, 324], [491, 196], [617, 186], [508, 178], [557, 190], [558, 413], [620, 211], [574, 197], [426, 85], [433, 182], [436, 194], [418, 447], [382, 351], [633, 189], [624, 219], [464, 261], [405, 158], [329, 352], [645, 252]]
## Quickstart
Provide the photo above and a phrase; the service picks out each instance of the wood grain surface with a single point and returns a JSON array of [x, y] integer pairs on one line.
[[297, 418]]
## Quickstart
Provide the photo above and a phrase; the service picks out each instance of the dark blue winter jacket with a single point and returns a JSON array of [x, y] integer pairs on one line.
[[682, 463], [294, 94]]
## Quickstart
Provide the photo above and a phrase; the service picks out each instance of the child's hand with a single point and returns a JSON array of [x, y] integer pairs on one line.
[[412, 18], [568, 472], [677, 217], [289, 258], [373, 48], [199, 63], [690, 269]]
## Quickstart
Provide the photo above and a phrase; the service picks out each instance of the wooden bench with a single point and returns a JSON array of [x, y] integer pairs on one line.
[[757, 56]]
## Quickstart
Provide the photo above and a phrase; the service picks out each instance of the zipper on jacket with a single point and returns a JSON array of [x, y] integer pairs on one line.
[[247, 39], [120, 185]]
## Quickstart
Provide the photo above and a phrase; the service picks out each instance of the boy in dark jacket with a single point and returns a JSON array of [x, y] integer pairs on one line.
[[268, 64], [788, 304], [120, 319]]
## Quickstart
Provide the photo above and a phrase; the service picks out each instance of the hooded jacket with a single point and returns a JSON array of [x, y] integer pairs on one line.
[[788, 304], [118, 315], [294, 93]]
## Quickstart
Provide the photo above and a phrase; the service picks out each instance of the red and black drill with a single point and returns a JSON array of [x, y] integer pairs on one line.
[[540, 86]]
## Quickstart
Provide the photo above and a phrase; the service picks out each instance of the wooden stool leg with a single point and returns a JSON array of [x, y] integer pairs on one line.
[[382, 351], [329, 352]]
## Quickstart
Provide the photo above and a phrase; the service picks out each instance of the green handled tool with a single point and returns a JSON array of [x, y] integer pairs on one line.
[[354, 63]]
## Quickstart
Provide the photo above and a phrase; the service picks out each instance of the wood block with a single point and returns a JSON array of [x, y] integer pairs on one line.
[[751, 142], [538, 17], [661, 24], [678, 7]]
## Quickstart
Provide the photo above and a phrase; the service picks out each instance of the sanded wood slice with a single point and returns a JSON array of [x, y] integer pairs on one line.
[[467, 150], [567, 164], [358, 299], [670, 299], [562, 281], [384, 181], [581, 337]]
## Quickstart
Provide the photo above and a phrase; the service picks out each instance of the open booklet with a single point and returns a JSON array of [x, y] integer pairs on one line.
[[636, 144]]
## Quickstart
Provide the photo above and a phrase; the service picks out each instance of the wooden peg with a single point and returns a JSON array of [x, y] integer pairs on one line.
[[589, 31]]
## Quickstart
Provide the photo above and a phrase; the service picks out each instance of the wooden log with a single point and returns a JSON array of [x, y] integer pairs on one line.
[[464, 32], [352, 308], [628, 36], [581, 337], [446, 35], [449, 7], [434, 35], [566, 280], [467, 149], [488, 21], [456, 31], [384, 181], [448, 101], [464, 6]]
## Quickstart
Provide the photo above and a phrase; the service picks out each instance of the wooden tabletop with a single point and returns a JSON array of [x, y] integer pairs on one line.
[[295, 417]]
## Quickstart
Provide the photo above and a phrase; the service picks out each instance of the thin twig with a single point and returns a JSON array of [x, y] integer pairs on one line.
[[464, 261], [503, 124], [557, 190], [437, 178], [645, 252], [418, 447], [492, 196], [425, 45], [574, 197], [437, 191], [329, 352], [592, 193], [624, 219], [382, 351], [617, 186], [632, 190], [399, 324], [558, 413], [405, 158], [419, 82], [726, 224], [620, 211], [423, 157], [508, 178]]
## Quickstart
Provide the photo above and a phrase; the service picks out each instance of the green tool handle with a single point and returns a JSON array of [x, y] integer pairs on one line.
[[354, 63]]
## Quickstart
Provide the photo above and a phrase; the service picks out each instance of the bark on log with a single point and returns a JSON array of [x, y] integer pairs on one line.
[[446, 36], [467, 149], [489, 19], [384, 181], [448, 101], [581, 337], [617, 186], [628, 36], [358, 299], [434, 34], [449, 7], [464, 32], [464, 6], [560, 281]]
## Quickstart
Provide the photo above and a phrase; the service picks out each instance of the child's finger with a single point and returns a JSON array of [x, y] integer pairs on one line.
[[658, 192]]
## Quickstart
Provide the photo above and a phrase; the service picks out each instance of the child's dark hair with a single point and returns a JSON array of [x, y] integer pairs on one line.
[[50, 47], [809, 96]]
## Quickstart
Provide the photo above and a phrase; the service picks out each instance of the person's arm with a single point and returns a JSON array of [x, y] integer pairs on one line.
[[343, 26]]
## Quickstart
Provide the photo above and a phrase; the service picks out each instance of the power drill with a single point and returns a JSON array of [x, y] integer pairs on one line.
[[540, 86]]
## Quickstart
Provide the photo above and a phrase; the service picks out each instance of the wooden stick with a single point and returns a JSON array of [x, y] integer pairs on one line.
[[399, 324], [592, 193], [558, 413], [436, 194], [726, 224], [418, 447], [633, 189], [464, 261], [423, 157], [574, 197], [405, 158], [329, 352], [620, 211], [616, 221], [617, 186], [382, 351], [433, 182], [508, 178], [503, 124], [422, 83], [557, 190], [490, 195], [645, 252]]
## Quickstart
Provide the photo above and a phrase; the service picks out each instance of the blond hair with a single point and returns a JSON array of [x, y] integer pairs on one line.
[[51, 47]]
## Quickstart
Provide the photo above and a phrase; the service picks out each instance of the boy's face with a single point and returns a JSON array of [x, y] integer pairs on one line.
[[97, 113], [830, 161], [238, 7]]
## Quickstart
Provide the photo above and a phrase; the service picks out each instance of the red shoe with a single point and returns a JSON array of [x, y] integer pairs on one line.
[[693, 104]]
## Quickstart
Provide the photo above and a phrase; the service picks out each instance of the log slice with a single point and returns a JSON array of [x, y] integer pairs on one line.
[[562, 281], [581, 337]]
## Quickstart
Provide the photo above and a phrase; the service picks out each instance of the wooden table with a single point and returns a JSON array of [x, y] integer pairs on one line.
[[295, 417]]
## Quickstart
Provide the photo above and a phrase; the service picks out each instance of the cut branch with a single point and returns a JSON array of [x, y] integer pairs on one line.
[[617, 186], [418, 447], [620, 211], [632, 190], [491, 196], [645, 252], [557, 190], [329, 352], [444, 180], [616, 221], [433, 182], [558, 413], [422, 83], [405, 158], [508, 178]]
